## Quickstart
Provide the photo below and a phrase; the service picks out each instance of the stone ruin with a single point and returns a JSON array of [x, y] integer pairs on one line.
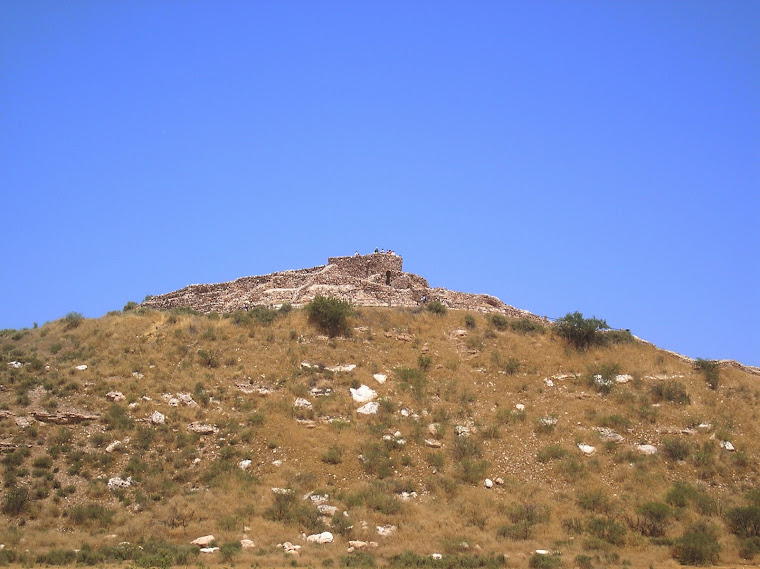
[[377, 279]]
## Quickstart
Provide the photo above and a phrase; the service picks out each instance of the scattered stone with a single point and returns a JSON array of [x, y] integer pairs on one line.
[[436, 556], [321, 391], [646, 449], [113, 446], [548, 382], [363, 394], [369, 409], [601, 381], [247, 544], [307, 365], [302, 403], [434, 429], [488, 483], [588, 450], [132, 406], [727, 446], [202, 428], [157, 418], [386, 531], [244, 464], [520, 407], [704, 426], [173, 402], [326, 510], [187, 399], [542, 552], [459, 333], [117, 482], [290, 548], [277, 463], [80, 367], [462, 431], [548, 421], [17, 365], [209, 549], [317, 498], [380, 378], [432, 443], [115, 396], [282, 490], [499, 481], [137, 374], [624, 378]]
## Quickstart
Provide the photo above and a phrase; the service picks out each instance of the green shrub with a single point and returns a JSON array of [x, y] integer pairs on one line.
[[580, 332], [424, 362], [583, 561], [676, 449], [594, 501], [436, 307], [711, 370], [698, 545], [652, 518], [538, 561], [469, 321], [72, 320], [744, 521], [330, 315], [88, 514], [499, 321], [228, 550], [673, 391], [358, 559], [16, 501], [527, 326], [607, 529], [749, 548], [57, 557], [117, 418], [287, 508], [131, 305], [208, 358], [550, 452], [333, 455]]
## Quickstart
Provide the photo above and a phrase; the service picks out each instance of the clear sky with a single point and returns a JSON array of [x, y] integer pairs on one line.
[[593, 156]]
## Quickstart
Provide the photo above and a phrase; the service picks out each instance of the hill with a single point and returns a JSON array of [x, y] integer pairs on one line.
[[486, 438]]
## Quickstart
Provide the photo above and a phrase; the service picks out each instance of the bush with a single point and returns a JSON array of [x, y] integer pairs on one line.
[[538, 561], [16, 501], [72, 320], [595, 501], [749, 548], [500, 322], [550, 452], [469, 321], [673, 391], [607, 529], [711, 370], [330, 315], [229, 550], [676, 449], [744, 521], [358, 559], [698, 545], [131, 305], [86, 514], [652, 518], [436, 307], [580, 332]]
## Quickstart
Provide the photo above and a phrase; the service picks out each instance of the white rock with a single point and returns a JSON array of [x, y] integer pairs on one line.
[[327, 510], [608, 435], [116, 482], [406, 496], [436, 556], [624, 378], [202, 428], [520, 407], [209, 549], [488, 483], [432, 443], [307, 365], [369, 409], [461, 333], [115, 396], [548, 382], [277, 463], [187, 399], [281, 490], [324, 537], [727, 445], [704, 426], [317, 498], [24, 422], [385, 531], [17, 365], [132, 406], [588, 450], [80, 367], [499, 481], [204, 541], [548, 421], [343, 368], [247, 544], [461, 431], [380, 378], [363, 394], [290, 548], [157, 418], [173, 402], [646, 449], [137, 374], [244, 464], [542, 552], [112, 447], [302, 403]]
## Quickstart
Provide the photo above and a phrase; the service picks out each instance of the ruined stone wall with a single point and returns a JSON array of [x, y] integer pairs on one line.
[[364, 266]]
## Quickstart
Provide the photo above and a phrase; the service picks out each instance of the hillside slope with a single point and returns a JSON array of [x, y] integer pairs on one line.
[[174, 404]]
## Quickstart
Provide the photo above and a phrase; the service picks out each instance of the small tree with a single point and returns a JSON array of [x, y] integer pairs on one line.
[[580, 332], [698, 545], [330, 315]]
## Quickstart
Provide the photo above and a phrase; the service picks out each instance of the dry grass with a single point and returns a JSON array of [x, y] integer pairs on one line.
[[187, 485]]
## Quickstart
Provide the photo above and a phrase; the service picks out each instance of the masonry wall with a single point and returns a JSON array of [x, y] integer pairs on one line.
[[363, 266]]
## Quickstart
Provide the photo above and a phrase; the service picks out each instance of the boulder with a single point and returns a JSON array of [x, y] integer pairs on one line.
[[302, 403], [380, 378], [609, 436], [117, 482], [327, 510], [727, 446], [488, 483], [623, 378], [244, 464], [324, 537], [369, 408], [646, 449], [186, 399], [115, 396], [588, 450], [209, 549], [341, 368], [386, 531], [363, 394], [202, 428], [432, 443], [520, 407], [81, 367], [63, 417], [436, 556], [247, 544], [157, 418], [204, 541]]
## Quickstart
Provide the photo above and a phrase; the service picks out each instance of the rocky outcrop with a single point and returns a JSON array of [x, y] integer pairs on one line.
[[377, 279]]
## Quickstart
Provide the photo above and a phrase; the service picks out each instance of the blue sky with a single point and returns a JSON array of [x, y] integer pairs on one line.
[[593, 156]]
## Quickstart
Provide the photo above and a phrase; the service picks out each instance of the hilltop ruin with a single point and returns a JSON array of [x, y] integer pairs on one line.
[[377, 279]]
